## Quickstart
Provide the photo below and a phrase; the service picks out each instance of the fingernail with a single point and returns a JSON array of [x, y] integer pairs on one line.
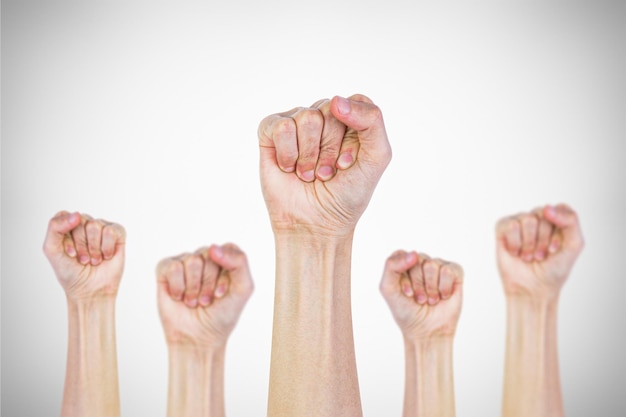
[[409, 257], [308, 176], [72, 217], [345, 160], [205, 300], [95, 261], [84, 259], [325, 172], [528, 257], [343, 105], [551, 211], [554, 246], [288, 169], [421, 299], [70, 251], [406, 289], [432, 301], [193, 302], [220, 291], [540, 256]]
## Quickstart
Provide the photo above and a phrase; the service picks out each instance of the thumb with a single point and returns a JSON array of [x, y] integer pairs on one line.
[[393, 275], [61, 224], [232, 259], [359, 113], [565, 219]]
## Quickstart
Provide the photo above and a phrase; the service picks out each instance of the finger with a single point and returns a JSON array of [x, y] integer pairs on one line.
[[222, 284], [58, 228], [93, 231], [278, 141], [68, 246], [349, 149], [80, 241], [395, 273], [510, 235], [566, 219], [431, 280], [194, 267], [416, 274], [330, 145], [209, 277], [544, 234], [450, 277], [232, 259], [359, 113], [529, 224], [309, 124], [171, 277], [113, 240]]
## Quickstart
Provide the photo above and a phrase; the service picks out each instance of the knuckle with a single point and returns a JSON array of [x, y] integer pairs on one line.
[[309, 119], [285, 127]]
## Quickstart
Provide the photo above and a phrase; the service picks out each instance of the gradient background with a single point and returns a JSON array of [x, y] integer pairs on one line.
[[145, 113]]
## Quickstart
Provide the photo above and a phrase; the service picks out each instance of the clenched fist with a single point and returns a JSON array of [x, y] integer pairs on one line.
[[87, 255], [424, 294], [536, 250], [320, 164], [202, 294]]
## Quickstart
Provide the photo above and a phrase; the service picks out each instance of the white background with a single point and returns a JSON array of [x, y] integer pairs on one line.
[[146, 114]]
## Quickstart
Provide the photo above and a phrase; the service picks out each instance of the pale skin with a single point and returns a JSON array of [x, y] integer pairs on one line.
[[425, 297], [87, 256], [200, 296], [536, 252], [319, 167]]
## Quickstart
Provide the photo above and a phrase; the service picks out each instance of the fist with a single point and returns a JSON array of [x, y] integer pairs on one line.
[[201, 294], [86, 254], [424, 294], [537, 250], [320, 164]]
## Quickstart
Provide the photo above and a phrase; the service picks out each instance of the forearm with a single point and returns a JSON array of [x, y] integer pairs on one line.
[[429, 382], [196, 382], [91, 380], [532, 385], [313, 366]]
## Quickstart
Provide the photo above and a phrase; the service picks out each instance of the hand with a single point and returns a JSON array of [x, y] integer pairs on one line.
[[201, 295], [537, 250], [424, 294], [87, 255], [320, 165]]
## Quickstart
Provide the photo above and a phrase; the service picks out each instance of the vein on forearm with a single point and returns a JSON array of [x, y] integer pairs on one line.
[[429, 383], [531, 381], [91, 382], [313, 360]]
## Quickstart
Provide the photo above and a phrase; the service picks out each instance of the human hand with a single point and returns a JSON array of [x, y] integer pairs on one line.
[[424, 294], [201, 295], [87, 255], [319, 165], [536, 250]]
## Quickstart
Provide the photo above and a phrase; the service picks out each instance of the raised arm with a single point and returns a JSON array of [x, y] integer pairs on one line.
[[201, 296], [319, 167], [87, 256], [535, 252], [425, 297]]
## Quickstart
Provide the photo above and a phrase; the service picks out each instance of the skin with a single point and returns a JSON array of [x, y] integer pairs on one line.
[[425, 297], [319, 167], [200, 296], [536, 252], [87, 256]]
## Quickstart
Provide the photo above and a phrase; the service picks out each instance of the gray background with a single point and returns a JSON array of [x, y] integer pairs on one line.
[[146, 114]]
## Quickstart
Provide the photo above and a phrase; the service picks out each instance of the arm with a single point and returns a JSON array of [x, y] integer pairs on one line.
[[87, 256], [425, 297], [535, 252], [319, 167], [200, 296]]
